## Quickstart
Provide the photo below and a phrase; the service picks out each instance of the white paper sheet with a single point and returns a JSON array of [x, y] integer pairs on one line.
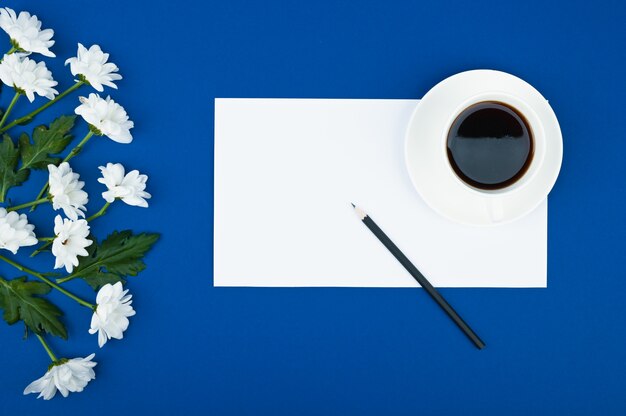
[[286, 171]]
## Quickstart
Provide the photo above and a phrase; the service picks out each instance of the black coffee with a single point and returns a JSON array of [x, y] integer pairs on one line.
[[490, 145]]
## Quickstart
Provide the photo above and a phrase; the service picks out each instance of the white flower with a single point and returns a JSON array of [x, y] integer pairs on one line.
[[130, 188], [70, 242], [67, 191], [25, 32], [110, 318], [15, 231], [91, 66], [107, 117], [66, 376], [27, 76]]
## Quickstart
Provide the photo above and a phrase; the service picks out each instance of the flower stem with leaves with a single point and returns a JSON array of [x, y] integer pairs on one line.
[[48, 282]]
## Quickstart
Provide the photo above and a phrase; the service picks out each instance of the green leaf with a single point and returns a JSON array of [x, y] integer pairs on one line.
[[9, 177], [46, 143], [119, 255], [22, 301]]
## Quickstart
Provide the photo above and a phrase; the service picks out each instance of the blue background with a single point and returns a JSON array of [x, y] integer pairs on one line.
[[195, 349]]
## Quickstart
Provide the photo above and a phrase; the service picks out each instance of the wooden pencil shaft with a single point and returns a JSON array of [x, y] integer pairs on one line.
[[437, 297]]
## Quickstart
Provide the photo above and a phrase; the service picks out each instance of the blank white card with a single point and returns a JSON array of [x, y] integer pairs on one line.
[[286, 171]]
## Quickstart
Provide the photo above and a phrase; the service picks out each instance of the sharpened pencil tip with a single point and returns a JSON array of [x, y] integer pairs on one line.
[[359, 212], [353, 206]]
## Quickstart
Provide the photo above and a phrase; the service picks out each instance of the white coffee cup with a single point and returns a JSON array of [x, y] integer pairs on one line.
[[427, 149]]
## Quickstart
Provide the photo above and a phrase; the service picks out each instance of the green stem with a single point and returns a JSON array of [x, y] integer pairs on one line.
[[43, 247], [13, 49], [79, 146], [32, 114], [9, 108], [70, 155], [47, 239], [48, 282], [65, 279], [100, 213], [47, 348], [29, 204]]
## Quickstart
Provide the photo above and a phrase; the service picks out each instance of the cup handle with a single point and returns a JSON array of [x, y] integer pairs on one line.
[[495, 209]]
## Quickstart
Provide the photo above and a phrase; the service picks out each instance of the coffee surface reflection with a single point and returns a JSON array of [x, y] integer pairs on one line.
[[490, 145]]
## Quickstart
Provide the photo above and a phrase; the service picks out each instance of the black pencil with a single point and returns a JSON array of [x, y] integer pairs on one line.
[[419, 277]]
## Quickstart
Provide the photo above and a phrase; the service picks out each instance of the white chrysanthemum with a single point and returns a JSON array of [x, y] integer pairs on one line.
[[110, 318], [70, 242], [66, 376], [130, 188], [27, 76], [67, 191], [25, 32], [91, 65], [15, 231], [107, 117]]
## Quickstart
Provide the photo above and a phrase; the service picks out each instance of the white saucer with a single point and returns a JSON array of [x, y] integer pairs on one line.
[[427, 161]]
